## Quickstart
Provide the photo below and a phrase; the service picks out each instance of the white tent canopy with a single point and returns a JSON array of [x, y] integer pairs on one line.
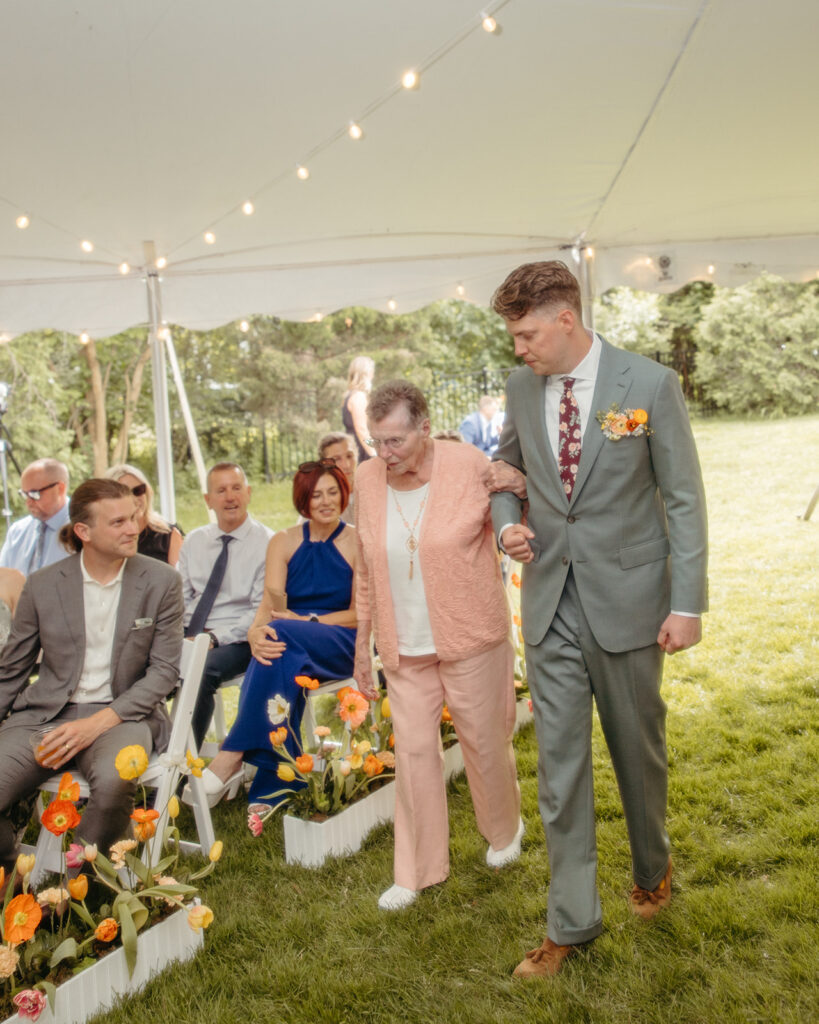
[[677, 139]]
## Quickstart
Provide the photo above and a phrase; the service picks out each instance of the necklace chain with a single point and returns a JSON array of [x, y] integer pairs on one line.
[[411, 543]]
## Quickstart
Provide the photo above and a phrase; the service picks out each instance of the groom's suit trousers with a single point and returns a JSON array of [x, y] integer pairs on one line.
[[566, 670]]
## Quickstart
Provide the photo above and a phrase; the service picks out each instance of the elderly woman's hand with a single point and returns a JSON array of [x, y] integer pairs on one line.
[[265, 646], [501, 476]]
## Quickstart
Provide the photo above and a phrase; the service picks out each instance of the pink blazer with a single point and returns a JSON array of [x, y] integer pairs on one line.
[[467, 605]]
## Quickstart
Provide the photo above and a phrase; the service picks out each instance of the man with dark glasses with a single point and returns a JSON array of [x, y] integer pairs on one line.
[[31, 542]]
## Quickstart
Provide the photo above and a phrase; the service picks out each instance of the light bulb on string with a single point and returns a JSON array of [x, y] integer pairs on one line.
[[124, 268], [244, 326], [86, 246], [209, 237], [488, 23], [302, 173], [460, 290], [355, 131], [410, 79], [165, 334], [589, 252], [392, 305], [161, 263], [84, 338], [248, 208], [23, 221], [711, 268]]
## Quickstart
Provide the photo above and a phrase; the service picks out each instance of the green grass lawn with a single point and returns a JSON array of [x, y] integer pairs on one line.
[[739, 942]]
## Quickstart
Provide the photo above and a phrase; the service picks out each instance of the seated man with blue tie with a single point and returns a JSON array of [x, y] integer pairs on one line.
[[479, 428], [32, 542], [222, 568]]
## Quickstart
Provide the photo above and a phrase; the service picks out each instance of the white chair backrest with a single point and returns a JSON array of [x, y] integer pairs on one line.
[[191, 667]]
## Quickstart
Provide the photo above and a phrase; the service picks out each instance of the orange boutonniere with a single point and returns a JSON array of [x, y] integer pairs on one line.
[[617, 423]]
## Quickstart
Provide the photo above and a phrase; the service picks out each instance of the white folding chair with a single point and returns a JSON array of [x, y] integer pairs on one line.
[[218, 726], [162, 774]]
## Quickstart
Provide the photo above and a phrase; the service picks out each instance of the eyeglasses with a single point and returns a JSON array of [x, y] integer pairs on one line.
[[309, 467], [391, 442], [139, 490], [35, 495]]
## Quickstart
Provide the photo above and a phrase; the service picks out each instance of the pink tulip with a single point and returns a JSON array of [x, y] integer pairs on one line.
[[75, 855], [255, 824], [30, 1003]]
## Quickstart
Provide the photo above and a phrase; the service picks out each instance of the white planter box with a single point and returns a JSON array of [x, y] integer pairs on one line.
[[97, 988], [522, 714], [310, 843]]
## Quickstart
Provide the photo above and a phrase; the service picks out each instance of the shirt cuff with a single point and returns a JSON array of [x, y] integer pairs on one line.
[[501, 532], [687, 615]]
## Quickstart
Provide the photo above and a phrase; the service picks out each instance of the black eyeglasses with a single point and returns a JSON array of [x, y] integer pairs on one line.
[[35, 495], [139, 490], [309, 467]]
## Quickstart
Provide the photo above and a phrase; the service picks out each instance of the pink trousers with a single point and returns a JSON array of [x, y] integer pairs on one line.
[[479, 692]]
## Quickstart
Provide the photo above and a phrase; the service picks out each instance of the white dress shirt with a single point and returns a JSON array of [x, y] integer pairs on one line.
[[585, 378], [100, 607], [243, 585], [20, 545]]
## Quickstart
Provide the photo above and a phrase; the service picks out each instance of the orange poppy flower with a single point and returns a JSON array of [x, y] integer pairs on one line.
[[145, 827], [278, 736], [23, 914], [632, 425], [445, 715], [391, 740], [516, 619], [60, 816], [106, 930], [78, 887], [372, 766], [640, 415], [69, 789], [515, 579], [354, 708], [304, 762], [142, 814], [307, 683], [342, 693]]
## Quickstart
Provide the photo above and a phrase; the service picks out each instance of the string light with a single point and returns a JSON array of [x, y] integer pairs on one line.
[[392, 305], [124, 268], [86, 246], [248, 208], [355, 131], [84, 338], [460, 290], [165, 334], [244, 326], [302, 172], [589, 250], [22, 221], [410, 79], [488, 23], [711, 268], [209, 237], [161, 263]]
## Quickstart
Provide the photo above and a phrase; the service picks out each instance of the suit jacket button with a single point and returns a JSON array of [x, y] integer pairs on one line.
[[569, 519], [565, 560]]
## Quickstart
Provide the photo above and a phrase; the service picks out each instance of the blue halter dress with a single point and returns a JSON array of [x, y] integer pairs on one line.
[[319, 580]]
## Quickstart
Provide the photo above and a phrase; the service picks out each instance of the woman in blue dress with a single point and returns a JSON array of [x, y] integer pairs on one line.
[[305, 626]]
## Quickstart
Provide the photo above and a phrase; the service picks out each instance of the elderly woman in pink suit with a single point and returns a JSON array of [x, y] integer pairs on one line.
[[428, 586]]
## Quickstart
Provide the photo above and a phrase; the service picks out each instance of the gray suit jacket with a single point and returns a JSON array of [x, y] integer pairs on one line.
[[144, 658], [634, 531]]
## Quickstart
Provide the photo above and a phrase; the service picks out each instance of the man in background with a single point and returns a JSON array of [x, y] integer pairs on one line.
[[32, 542], [480, 428], [340, 448]]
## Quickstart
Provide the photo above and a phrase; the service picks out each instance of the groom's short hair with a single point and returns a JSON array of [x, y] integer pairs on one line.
[[543, 285]]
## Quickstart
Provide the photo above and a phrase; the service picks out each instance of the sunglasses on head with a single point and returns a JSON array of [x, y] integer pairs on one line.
[[139, 490], [309, 467]]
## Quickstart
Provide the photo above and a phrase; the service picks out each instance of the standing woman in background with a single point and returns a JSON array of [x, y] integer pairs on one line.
[[353, 408], [157, 538]]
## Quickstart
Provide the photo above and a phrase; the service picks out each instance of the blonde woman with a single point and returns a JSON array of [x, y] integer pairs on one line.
[[353, 408], [157, 538]]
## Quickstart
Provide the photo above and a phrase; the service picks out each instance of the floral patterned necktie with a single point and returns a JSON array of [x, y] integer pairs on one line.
[[568, 444]]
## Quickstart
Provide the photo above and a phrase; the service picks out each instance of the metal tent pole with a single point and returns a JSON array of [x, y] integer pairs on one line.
[[187, 416], [162, 415]]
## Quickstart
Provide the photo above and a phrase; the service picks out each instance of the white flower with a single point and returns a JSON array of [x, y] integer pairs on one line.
[[277, 709], [169, 761]]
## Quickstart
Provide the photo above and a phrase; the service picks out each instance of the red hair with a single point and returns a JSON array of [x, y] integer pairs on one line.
[[306, 480]]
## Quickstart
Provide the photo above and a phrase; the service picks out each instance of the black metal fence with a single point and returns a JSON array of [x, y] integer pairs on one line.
[[454, 395]]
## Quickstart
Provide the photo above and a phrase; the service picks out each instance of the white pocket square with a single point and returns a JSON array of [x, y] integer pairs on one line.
[[142, 623]]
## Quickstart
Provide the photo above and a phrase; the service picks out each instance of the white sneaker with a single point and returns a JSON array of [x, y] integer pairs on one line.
[[509, 854], [396, 898]]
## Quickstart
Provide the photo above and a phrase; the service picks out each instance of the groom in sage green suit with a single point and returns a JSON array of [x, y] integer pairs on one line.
[[614, 548]]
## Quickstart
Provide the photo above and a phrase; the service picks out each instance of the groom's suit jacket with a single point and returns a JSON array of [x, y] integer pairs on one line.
[[634, 531], [144, 658]]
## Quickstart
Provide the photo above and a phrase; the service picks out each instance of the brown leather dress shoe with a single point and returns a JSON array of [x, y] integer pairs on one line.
[[543, 962], [646, 903]]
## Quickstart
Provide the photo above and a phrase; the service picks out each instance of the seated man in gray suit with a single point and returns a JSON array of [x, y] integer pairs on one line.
[[109, 624]]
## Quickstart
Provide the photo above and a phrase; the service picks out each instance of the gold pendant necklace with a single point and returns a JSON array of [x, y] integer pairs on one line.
[[411, 544]]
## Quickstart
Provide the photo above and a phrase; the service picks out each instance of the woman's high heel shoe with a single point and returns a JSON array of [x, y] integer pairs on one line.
[[215, 789]]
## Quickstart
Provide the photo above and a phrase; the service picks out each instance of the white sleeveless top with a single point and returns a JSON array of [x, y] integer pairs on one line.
[[408, 597]]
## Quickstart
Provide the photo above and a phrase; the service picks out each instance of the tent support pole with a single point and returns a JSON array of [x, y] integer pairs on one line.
[[583, 256], [187, 416], [162, 416]]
